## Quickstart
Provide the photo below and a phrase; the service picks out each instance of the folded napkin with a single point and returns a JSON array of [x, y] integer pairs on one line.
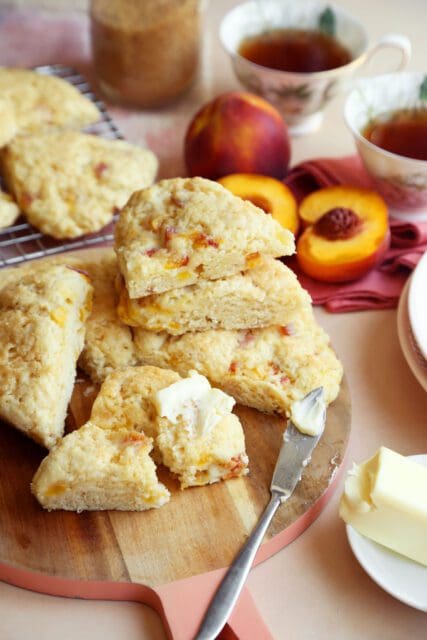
[[381, 287]]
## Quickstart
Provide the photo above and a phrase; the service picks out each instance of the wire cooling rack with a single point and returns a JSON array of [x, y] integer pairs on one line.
[[22, 242]]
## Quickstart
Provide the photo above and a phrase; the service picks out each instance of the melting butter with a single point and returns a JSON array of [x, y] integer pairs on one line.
[[309, 418]]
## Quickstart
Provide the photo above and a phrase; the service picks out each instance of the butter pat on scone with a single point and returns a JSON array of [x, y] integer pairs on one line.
[[185, 229], [42, 317], [385, 499], [93, 469], [69, 183], [259, 297]]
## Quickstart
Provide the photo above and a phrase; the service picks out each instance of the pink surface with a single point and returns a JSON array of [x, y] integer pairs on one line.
[[380, 288]]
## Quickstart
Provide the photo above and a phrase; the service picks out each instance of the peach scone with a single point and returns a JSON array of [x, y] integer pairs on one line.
[[95, 469], [42, 316], [267, 368], [39, 102], [259, 297], [195, 434], [185, 229], [69, 183]]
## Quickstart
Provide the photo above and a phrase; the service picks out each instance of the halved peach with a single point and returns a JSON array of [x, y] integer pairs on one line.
[[346, 233], [265, 192]]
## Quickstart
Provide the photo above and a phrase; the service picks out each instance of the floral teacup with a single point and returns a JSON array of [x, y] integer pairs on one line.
[[402, 181], [300, 97]]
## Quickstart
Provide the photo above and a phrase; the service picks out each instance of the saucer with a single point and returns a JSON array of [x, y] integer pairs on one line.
[[417, 304], [402, 578], [413, 356]]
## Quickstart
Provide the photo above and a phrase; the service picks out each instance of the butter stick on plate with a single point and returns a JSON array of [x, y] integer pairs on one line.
[[385, 499]]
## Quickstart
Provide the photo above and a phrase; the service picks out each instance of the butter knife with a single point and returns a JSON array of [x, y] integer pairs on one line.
[[294, 455]]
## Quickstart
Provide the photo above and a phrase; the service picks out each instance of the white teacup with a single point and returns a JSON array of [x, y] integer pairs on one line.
[[300, 97], [402, 181]]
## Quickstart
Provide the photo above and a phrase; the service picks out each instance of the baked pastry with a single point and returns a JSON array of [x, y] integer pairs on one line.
[[8, 125], [69, 184], [42, 317], [195, 434], [265, 295], [267, 369], [185, 229], [92, 469], [9, 210], [39, 102]]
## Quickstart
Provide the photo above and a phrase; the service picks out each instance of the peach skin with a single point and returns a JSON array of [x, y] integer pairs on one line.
[[265, 192], [346, 233], [237, 132]]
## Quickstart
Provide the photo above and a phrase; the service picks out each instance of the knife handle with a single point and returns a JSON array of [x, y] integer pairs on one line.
[[228, 591]]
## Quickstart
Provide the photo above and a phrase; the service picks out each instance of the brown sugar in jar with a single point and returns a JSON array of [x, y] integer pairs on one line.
[[145, 52]]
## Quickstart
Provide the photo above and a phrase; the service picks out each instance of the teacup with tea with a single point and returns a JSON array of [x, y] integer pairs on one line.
[[297, 54], [388, 118]]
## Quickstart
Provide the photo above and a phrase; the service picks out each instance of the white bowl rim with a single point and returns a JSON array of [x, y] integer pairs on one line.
[[297, 74], [388, 154]]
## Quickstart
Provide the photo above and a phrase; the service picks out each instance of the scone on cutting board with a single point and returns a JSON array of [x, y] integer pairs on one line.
[[92, 469], [259, 297], [195, 434], [185, 229], [69, 184], [267, 369], [42, 315], [37, 102]]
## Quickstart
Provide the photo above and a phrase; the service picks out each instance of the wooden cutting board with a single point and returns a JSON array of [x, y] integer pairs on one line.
[[164, 556]]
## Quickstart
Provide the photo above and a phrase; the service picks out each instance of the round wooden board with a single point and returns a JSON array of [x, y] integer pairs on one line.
[[198, 531]]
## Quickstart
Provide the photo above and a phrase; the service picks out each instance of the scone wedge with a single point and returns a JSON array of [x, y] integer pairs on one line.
[[94, 469], [69, 183], [263, 296], [185, 229], [42, 317], [195, 434], [38, 102], [267, 369]]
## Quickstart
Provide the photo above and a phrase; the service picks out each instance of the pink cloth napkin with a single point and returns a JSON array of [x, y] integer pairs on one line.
[[380, 288]]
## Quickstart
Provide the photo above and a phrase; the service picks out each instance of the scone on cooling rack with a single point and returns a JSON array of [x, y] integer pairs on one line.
[[93, 469], [195, 434], [9, 210], [42, 317], [69, 184], [267, 369], [8, 125], [259, 297], [38, 102], [185, 229]]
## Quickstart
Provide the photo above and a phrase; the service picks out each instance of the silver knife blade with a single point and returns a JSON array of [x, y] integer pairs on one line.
[[296, 450]]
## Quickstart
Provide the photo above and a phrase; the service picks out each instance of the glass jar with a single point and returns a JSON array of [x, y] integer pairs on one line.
[[145, 52]]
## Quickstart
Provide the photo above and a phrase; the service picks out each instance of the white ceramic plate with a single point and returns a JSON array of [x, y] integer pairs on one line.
[[417, 304], [400, 577], [413, 356]]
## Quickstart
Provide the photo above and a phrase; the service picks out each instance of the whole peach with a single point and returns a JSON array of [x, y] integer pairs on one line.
[[237, 132]]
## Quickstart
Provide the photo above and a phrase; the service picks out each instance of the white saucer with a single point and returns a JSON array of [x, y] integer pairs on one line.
[[400, 577], [417, 363], [417, 304]]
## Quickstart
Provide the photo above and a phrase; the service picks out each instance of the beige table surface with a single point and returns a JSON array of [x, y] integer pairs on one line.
[[314, 589]]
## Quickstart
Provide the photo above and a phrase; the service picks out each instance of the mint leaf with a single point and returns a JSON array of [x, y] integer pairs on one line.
[[423, 89], [327, 22]]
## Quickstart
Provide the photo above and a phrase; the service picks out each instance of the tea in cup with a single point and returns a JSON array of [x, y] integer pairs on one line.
[[298, 54], [388, 118]]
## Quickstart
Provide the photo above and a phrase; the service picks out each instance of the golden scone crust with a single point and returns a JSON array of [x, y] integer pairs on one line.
[[95, 469], [183, 229], [267, 369], [69, 184], [41, 102], [42, 317], [127, 400], [8, 125], [9, 210], [265, 295]]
